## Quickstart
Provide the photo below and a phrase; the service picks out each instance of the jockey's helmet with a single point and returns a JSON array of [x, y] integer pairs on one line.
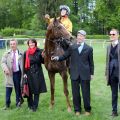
[[65, 7]]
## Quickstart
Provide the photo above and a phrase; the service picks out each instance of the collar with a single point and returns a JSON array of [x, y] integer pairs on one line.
[[81, 44], [16, 51], [114, 42], [64, 16]]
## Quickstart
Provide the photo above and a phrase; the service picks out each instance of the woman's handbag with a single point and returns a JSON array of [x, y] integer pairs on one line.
[[25, 88]]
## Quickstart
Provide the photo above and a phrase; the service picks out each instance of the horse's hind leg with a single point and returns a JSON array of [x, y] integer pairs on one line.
[[52, 87], [65, 77]]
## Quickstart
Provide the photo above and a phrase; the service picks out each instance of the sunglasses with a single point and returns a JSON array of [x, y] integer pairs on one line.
[[112, 34]]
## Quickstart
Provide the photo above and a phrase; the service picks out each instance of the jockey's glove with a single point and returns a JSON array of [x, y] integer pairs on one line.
[[56, 58]]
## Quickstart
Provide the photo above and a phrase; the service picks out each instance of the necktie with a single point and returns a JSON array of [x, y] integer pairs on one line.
[[14, 62]]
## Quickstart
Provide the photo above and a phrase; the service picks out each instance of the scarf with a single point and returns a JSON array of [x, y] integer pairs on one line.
[[30, 51]]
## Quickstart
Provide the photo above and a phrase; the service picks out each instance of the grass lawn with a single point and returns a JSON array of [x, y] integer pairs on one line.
[[100, 97]]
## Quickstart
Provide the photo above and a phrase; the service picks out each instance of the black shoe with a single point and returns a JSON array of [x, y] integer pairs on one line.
[[18, 105], [21, 101], [114, 114], [30, 107], [34, 109]]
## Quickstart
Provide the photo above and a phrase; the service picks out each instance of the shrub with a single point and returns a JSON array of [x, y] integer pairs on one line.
[[35, 33], [19, 31], [12, 31], [7, 31]]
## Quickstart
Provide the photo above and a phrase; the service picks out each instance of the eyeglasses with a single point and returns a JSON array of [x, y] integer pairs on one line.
[[112, 34]]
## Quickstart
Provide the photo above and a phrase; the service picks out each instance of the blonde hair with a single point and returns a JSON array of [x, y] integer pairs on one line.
[[113, 29]]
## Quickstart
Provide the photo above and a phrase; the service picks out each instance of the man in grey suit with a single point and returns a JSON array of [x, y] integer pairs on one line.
[[12, 65], [81, 71], [112, 68]]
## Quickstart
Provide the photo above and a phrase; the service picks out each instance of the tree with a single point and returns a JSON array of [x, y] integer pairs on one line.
[[107, 13], [16, 13], [50, 7], [4, 13]]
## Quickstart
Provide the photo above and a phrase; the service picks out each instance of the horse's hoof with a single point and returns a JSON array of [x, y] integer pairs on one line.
[[69, 109]]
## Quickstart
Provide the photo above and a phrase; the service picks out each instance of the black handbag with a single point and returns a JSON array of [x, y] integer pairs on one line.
[[25, 88]]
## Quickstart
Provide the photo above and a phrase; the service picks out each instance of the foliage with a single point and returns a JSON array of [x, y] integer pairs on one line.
[[35, 32], [16, 13], [12, 31], [17, 31], [108, 13], [35, 24], [29, 14], [7, 31], [76, 23], [50, 7]]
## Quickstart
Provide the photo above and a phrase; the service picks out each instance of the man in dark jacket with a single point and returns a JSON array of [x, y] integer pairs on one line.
[[81, 71], [112, 68]]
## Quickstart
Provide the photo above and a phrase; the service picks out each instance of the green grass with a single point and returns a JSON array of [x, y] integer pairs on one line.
[[100, 97]]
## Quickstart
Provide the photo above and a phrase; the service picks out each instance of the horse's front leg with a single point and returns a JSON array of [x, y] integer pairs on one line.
[[66, 92], [52, 87]]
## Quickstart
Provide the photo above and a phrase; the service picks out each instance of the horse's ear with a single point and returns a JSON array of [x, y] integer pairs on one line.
[[59, 19], [55, 18]]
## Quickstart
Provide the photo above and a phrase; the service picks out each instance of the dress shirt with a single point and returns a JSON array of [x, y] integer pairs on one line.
[[17, 63], [80, 47], [114, 43]]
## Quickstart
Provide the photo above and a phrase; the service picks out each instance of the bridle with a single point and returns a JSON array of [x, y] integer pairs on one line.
[[57, 41]]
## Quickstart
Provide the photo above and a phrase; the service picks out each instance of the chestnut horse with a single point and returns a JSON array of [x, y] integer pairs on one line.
[[56, 33]]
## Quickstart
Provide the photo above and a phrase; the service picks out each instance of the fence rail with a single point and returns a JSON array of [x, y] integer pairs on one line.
[[101, 41], [6, 41], [89, 41]]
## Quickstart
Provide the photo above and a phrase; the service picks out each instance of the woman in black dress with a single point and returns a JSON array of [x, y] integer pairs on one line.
[[34, 73]]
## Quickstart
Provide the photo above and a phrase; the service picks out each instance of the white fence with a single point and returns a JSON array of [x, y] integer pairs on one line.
[[89, 41], [6, 41], [97, 41]]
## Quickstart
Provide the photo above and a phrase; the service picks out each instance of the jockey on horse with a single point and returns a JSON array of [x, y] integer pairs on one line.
[[64, 19]]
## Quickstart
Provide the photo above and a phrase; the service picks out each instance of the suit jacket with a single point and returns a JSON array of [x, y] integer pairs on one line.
[[80, 64], [108, 62], [6, 64]]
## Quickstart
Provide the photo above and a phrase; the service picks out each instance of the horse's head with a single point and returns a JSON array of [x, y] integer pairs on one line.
[[57, 30], [57, 37]]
